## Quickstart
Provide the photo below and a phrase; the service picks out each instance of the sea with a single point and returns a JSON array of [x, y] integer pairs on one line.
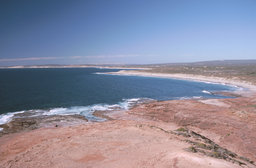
[[69, 91]]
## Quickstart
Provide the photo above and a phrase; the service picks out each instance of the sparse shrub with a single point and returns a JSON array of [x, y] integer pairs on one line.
[[181, 129], [192, 149], [216, 154], [201, 145]]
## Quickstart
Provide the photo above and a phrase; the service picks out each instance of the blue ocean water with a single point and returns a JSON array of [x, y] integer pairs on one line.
[[82, 91]]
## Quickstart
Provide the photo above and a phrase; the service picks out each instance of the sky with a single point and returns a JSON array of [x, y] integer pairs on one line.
[[35, 32]]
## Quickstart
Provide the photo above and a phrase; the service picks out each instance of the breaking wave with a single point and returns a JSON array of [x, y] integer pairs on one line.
[[187, 98], [207, 92], [86, 111], [4, 118]]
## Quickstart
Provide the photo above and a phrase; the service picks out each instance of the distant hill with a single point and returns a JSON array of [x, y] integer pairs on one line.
[[201, 63], [226, 62], [210, 63]]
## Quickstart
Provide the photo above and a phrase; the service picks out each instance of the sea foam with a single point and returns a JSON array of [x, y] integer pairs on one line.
[[86, 111], [207, 92], [4, 118]]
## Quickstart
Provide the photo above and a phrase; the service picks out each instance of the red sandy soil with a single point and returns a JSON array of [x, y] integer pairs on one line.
[[122, 144], [133, 140], [232, 120]]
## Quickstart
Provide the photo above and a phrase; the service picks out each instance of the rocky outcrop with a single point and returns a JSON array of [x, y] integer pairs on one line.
[[31, 123], [232, 120], [207, 147]]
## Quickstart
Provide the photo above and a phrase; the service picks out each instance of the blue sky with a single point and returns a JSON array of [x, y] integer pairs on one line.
[[125, 31]]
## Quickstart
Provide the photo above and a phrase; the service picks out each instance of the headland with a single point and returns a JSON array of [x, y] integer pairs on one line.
[[177, 133]]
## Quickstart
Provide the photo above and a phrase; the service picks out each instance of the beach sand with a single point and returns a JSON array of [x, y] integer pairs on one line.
[[233, 82]]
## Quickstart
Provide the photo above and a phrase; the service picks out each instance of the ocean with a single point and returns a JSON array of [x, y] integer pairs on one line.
[[67, 91]]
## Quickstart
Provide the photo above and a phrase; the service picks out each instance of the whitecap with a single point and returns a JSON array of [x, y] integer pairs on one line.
[[207, 92], [197, 97], [86, 111], [4, 118], [184, 98]]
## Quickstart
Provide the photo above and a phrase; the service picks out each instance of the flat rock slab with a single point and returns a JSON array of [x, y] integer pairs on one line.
[[115, 144]]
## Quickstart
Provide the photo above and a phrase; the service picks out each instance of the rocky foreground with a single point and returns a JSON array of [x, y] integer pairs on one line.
[[216, 133]]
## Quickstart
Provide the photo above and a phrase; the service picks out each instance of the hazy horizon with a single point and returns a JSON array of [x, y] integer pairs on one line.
[[126, 32]]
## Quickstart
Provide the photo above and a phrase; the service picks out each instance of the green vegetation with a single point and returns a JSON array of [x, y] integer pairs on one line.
[[216, 154], [205, 146], [241, 70], [192, 149], [202, 145], [181, 129]]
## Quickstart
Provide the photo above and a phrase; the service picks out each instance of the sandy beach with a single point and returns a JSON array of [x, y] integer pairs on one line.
[[214, 133], [200, 78]]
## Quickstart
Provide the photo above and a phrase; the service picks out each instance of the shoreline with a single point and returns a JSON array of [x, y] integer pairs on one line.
[[247, 89], [207, 133], [123, 105], [197, 78], [170, 138]]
